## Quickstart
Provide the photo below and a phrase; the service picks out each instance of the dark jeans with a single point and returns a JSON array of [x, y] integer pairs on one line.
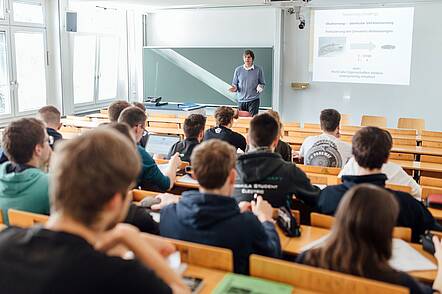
[[252, 106]]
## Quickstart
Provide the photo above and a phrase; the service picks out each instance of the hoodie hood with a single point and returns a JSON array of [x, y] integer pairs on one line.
[[13, 184], [200, 210], [375, 179], [256, 166]]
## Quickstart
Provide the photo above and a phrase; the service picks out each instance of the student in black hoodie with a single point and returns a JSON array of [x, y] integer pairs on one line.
[[371, 147], [224, 116], [211, 216], [264, 172], [51, 116], [193, 129]]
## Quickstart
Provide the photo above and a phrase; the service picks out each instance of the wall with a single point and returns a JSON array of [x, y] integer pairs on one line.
[[259, 26], [421, 99], [219, 27]]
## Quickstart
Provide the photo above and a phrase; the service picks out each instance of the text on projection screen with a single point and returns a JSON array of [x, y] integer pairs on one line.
[[371, 46]]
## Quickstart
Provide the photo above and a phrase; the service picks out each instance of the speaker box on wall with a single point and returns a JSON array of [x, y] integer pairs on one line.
[[71, 21]]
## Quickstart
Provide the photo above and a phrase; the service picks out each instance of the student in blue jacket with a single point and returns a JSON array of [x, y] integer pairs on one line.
[[211, 216]]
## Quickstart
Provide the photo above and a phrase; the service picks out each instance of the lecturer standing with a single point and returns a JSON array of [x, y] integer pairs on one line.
[[248, 82]]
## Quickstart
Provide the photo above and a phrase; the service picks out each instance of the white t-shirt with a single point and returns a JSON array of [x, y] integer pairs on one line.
[[325, 150], [395, 174]]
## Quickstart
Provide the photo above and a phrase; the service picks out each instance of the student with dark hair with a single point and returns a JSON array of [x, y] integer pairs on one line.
[[136, 215], [150, 178], [371, 147], [211, 216], [193, 129], [145, 137], [51, 116], [361, 240], [116, 108], [75, 251], [23, 179], [224, 120], [326, 149], [282, 148], [264, 172]]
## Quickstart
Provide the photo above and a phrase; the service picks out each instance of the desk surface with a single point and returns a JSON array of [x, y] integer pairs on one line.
[[212, 277], [421, 166], [418, 150], [309, 234]]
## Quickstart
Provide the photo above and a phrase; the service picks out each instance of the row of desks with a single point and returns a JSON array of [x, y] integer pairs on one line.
[[293, 246]]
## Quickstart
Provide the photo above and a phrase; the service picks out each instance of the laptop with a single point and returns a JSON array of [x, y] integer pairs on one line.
[[160, 144]]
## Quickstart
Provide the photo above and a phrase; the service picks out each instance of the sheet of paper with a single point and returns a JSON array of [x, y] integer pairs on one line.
[[233, 283], [406, 258], [187, 179]]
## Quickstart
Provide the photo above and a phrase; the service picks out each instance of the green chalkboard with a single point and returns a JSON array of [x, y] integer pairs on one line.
[[200, 75]]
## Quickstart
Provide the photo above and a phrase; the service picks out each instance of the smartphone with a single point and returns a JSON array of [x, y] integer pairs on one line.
[[195, 284]]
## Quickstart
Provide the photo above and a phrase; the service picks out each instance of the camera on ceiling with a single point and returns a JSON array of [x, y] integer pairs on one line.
[[301, 24]]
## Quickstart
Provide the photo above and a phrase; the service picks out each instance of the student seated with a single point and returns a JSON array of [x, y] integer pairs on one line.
[[23, 180], [360, 242], [51, 116], [326, 149], [116, 108], [194, 132], [224, 120], [136, 215], [211, 216], [150, 178], [371, 147], [394, 172], [145, 137], [282, 148], [264, 172], [74, 252]]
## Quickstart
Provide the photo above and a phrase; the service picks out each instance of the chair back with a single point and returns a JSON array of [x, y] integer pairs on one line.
[[25, 219]]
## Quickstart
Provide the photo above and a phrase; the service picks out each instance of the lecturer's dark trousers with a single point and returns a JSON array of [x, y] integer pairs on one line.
[[252, 106]]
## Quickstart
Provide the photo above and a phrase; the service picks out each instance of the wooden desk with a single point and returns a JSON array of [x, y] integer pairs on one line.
[[2, 227], [425, 276], [98, 115], [420, 166], [310, 234], [418, 150], [437, 213], [185, 185], [80, 123], [211, 279], [69, 135]]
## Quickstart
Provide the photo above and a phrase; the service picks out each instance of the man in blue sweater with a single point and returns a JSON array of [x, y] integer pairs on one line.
[[248, 82], [211, 216]]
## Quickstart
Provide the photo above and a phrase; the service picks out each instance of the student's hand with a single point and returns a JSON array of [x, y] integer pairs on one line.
[[259, 89], [166, 199], [161, 245], [296, 154], [245, 206], [233, 89], [438, 250], [175, 161], [116, 237], [262, 209]]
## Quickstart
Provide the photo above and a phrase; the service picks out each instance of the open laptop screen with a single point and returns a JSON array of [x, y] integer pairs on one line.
[[160, 144]]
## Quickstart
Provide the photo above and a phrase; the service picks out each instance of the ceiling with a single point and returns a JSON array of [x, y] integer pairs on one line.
[[157, 4]]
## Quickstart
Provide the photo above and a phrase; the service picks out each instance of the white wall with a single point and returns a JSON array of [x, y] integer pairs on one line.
[[421, 99]]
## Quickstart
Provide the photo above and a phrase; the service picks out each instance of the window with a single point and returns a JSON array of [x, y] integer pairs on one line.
[[5, 91], [84, 68], [23, 65], [31, 70], [28, 11], [98, 56]]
